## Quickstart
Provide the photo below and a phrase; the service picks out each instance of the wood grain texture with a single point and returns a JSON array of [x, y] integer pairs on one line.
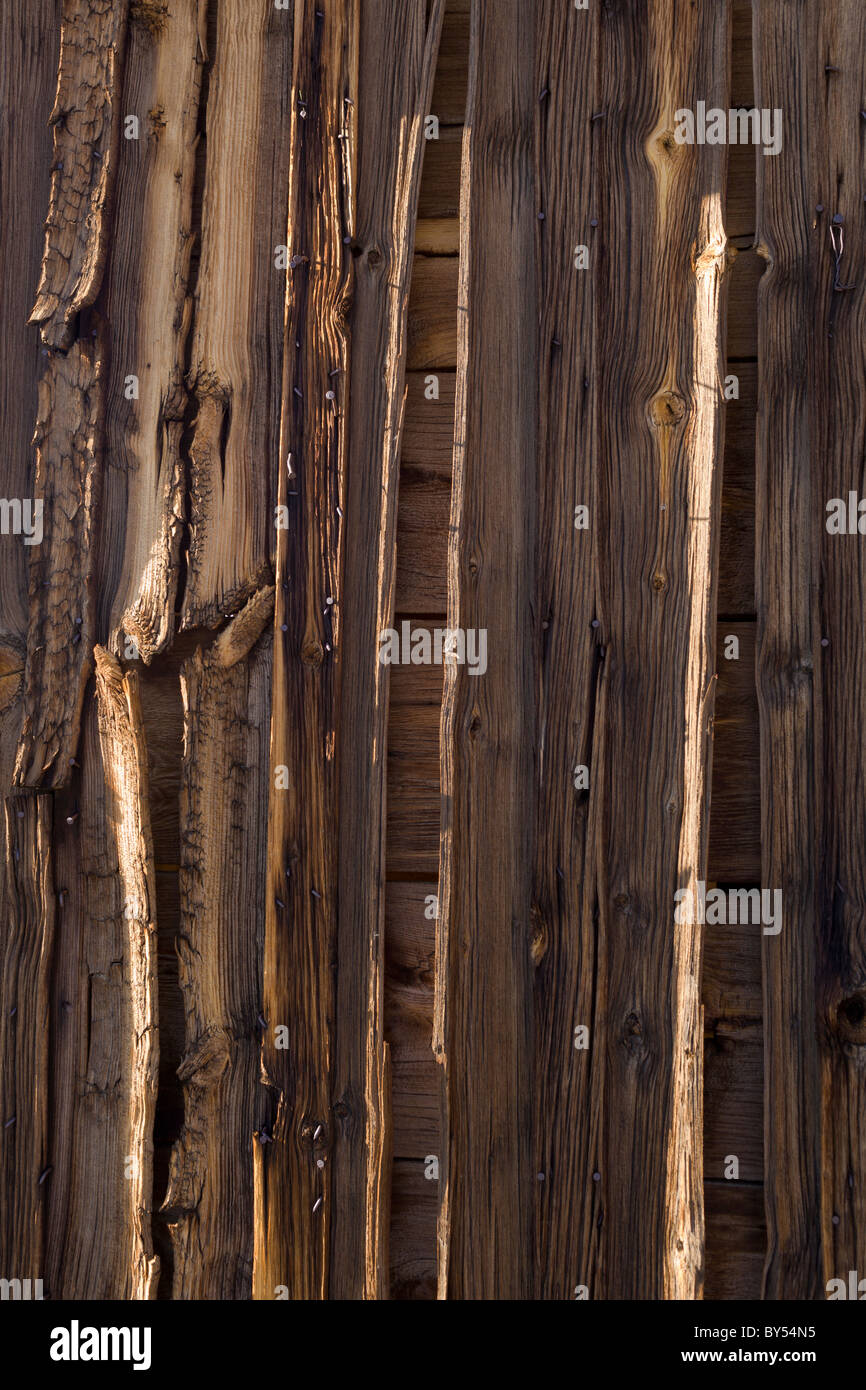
[[29, 37], [124, 759], [68, 442], [234, 372], [224, 797], [736, 1240], [622, 662], [425, 494], [482, 1037], [104, 1039], [363, 88], [659, 440], [26, 957], [810, 62], [86, 121], [564, 906], [148, 304], [734, 854]]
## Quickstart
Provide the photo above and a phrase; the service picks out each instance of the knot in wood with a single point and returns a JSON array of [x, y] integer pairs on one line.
[[633, 1038], [667, 408], [851, 1019], [667, 146], [312, 653]]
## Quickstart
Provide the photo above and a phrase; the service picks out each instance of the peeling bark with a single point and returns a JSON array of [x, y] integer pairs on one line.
[[86, 122], [68, 477]]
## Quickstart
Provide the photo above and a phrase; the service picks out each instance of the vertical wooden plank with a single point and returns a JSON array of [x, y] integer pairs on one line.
[[659, 394], [224, 799], [124, 758], [600, 654], [361, 89], [483, 970], [148, 306], [292, 1239], [234, 371], [28, 911], [564, 947], [29, 37], [105, 1038], [810, 65], [396, 69]]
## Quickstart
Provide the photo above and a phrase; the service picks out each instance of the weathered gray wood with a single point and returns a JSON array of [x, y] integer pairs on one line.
[[810, 63]]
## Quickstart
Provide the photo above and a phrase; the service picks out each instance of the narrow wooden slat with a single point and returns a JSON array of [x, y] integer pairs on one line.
[[68, 478], [124, 758], [732, 977], [811, 65], [483, 972], [322, 1166], [234, 372], [563, 943], [438, 236], [448, 100], [736, 597], [86, 121], [433, 313], [224, 797], [146, 302], [413, 1233], [734, 1102], [735, 805], [28, 909], [440, 179], [736, 1240]]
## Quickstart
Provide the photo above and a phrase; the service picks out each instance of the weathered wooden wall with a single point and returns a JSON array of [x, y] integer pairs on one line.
[[241, 1055]]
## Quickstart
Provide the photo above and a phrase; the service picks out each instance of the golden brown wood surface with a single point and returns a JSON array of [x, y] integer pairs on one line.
[[322, 1164], [148, 304], [166, 281], [224, 794], [104, 1040], [234, 367]]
